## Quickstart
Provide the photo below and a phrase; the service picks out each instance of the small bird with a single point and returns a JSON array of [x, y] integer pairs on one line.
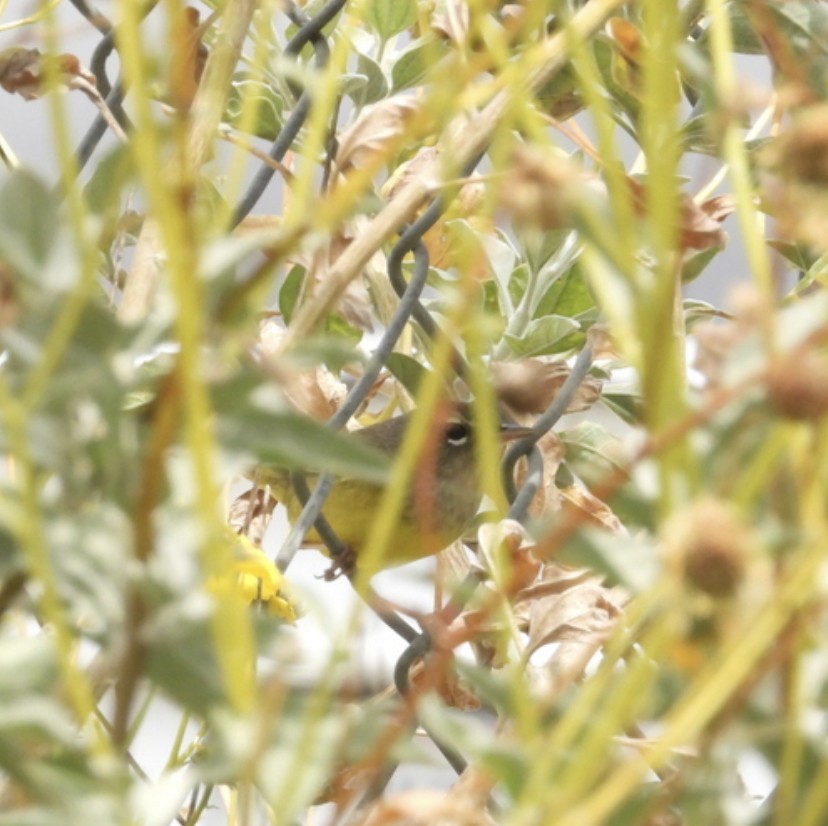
[[443, 499]]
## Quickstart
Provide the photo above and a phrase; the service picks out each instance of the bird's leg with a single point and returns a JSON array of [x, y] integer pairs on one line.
[[344, 563]]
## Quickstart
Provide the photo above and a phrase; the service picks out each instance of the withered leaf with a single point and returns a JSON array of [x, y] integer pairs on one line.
[[426, 808], [188, 59], [316, 392], [531, 385], [375, 130], [453, 691], [601, 343], [547, 500], [250, 514], [23, 71], [545, 189], [355, 302], [9, 306], [627, 39], [509, 537], [700, 226], [568, 605], [452, 21], [591, 508]]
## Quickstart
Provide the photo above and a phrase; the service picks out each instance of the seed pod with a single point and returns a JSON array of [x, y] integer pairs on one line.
[[711, 544], [798, 385]]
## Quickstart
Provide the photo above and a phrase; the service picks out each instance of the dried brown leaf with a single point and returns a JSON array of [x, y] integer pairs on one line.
[[22, 71], [355, 304], [423, 161], [427, 808], [544, 189], [601, 343], [570, 607], [452, 21], [188, 58], [351, 779], [439, 239], [508, 547], [453, 691], [627, 39], [316, 392], [531, 385], [547, 681], [376, 130], [700, 227], [591, 508], [547, 500], [250, 514], [9, 306]]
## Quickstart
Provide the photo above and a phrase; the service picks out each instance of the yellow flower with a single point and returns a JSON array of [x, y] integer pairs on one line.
[[259, 580]]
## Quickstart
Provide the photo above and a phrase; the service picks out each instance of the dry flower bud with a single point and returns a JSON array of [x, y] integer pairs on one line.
[[802, 151], [544, 189], [798, 385], [711, 544]]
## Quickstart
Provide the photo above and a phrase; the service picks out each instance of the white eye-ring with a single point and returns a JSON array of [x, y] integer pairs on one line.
[[457, 433]]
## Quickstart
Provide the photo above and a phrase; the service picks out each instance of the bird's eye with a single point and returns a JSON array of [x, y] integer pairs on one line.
[[457, 433]]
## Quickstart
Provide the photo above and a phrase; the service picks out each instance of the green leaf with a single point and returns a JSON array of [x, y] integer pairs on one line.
[[270, 106], [695, 265], [591, 450], [181, 641], [745, 39], [626, 404], [539, 247], [695, 311], [27, 665], [337, 327], [415, 62], [376, 87], [542, 336], [290, 290], [800, 256], [517, 284], [90, 568], [29, 223], [697, 135], [620, 96], [288, 440], [408, 371], [350, 83], [303, 735], [334, 351], [112, 172], [390, 17], [568, 295]]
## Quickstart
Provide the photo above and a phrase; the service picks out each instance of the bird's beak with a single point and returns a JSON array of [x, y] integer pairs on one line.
[[513, 432]]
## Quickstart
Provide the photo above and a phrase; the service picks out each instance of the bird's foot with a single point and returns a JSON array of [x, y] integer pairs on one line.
[[343, 564]]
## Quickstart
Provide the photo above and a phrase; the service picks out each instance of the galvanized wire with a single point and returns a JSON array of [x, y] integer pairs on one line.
[[311, 513], [545, 422], [309, 32]]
